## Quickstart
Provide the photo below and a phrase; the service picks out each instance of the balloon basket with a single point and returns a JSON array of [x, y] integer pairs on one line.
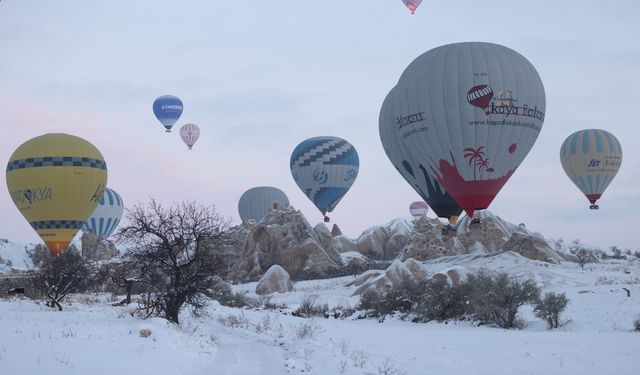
[[326, 219], [167, 130], [594, 207]]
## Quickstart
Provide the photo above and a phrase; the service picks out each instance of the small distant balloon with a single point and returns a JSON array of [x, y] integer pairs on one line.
[[418, 209], [412, 5], [167, 109], [591, 158], [189, 134]]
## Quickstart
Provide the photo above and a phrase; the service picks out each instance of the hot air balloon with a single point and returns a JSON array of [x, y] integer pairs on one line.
[[418, 209], [324, 168], [189, 134], [167, 109], [591, 158], [412, 5], [470, 113], [415, 172], [56, 181], [255, 203], [106, 217]]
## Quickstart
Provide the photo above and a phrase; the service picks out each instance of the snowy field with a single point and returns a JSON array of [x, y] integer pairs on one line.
[[92, 337]]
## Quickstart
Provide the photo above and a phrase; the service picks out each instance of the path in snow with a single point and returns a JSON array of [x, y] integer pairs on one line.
[[238, 355]]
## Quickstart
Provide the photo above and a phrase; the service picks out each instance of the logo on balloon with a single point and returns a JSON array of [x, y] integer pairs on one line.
[[480, 96], [32, 195], [594, 163], [320, 176], [174, 107], [29, 195], [350, 175]]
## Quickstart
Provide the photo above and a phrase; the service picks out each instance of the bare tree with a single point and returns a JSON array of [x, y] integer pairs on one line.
[[58, 276], [177, 253], [121, 274], [584, 256]]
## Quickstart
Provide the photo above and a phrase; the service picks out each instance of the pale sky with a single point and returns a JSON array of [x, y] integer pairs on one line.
[[259, 77]]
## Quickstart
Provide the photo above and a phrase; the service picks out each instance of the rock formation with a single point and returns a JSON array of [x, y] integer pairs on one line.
[[97, 248], [275, 280], [284, 237]]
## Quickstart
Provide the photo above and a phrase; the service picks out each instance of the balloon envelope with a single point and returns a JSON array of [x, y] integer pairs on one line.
[[56, 181], [255, 203], [591, 158], [418, 209], [106, 217], [470, 113], [189, 134], [412, 169], [412, 5], [324, 168], [167, 109]]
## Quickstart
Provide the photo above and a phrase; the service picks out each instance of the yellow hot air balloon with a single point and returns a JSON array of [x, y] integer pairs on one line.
[[56, 181]]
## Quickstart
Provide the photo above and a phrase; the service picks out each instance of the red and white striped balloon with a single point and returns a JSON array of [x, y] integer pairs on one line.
[[418, 209], [190, 134]]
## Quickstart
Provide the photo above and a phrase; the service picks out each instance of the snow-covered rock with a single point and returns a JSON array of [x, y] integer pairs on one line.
[[275, 280], [532, 246], [492, 232], [454, 276], [382, 242], [417, 269], [97, 248], [427, 241], [284, 237]]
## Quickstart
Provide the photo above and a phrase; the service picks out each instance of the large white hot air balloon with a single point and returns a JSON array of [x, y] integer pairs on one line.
[[255, 203], [591, 158], [413, 170], [470, 113], [106, 217]]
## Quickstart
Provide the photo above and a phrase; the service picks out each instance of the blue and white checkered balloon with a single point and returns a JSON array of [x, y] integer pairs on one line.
[[324, 168]]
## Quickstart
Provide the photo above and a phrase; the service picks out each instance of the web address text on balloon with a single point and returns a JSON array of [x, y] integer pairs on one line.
[[414, 132], [529, 125]]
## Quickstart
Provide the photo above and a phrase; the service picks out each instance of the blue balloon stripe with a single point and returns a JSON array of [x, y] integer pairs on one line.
[[573, 143], [326, 199], [585, 142], [598, 136]]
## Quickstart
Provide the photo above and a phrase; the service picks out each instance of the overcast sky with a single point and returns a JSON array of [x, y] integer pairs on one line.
[[259, 77]]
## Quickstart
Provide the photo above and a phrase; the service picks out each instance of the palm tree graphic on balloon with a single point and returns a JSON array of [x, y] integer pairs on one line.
[[476, 156]]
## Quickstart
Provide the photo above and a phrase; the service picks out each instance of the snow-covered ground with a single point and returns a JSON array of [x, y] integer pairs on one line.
[[92, 337]]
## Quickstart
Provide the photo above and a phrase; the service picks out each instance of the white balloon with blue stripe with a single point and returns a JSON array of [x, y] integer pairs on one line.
[[591, 158], [106, 217], [324, 168]]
